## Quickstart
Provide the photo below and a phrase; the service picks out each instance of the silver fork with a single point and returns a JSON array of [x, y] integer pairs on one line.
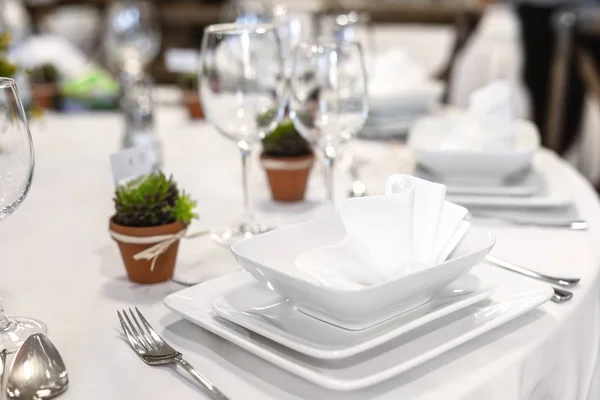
[[153, 350]]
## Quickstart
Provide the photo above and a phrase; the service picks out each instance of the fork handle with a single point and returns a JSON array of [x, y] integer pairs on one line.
[[210, 388]]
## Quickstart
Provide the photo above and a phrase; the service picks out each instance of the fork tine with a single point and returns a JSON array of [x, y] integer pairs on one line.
[[135, 332], [135, 345], [148, 339], [151, 330]]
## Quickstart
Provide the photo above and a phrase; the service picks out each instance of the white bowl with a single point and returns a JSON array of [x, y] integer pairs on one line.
[[414, 100], [427, 139], [270, 258]]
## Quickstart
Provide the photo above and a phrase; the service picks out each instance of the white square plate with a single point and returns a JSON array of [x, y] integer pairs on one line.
[[255, 307], [552, 192], [514, 296], [527, 183]]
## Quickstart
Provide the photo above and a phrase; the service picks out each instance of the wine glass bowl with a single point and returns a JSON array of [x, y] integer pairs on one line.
[[16, 150], [132, 38], [242, 88], [328, 96], [16, 173]]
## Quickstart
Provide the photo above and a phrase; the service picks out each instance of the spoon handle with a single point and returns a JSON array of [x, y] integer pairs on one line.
[[567, 282], [561, 296]]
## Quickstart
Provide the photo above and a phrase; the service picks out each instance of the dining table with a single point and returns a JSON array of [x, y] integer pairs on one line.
[[59, 264]]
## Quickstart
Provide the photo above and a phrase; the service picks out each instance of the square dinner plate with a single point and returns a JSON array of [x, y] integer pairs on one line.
[[253, 306], [514, 296], [552, 192], [527, 183]]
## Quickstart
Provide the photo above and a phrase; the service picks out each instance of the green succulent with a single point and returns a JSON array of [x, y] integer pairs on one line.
[[45, 73], [152, 200], [7, 69], [285, 141], [5, 41], [189, 81]]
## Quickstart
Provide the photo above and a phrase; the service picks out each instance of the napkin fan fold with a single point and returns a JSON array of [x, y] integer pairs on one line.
[[407, 229]]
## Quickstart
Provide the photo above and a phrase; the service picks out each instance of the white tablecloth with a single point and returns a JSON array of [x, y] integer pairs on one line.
[[59, 265]]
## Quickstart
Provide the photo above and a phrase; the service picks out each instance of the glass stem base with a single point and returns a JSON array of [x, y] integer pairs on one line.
[[238, 232], [17, 330]]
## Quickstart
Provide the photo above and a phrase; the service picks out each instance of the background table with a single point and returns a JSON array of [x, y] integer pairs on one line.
[[58, 264]]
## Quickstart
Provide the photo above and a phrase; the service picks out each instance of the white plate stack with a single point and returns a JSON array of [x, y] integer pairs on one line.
[[399, 93], [342, 303], [492, 163]]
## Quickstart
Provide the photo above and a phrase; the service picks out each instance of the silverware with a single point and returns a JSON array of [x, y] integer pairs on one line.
[[153, 350], [561, 295], [38, 371], [575, 225], [567, 282]]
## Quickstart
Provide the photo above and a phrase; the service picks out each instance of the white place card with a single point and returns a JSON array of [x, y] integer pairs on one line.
[[132, 162]]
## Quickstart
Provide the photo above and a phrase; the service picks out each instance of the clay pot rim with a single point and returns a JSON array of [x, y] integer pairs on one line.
[[143, 230], [287, 163]]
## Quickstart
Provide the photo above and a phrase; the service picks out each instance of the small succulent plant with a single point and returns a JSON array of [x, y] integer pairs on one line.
[[285, 141], [45, 73], [152, 200], [189, 81], [7, 69]]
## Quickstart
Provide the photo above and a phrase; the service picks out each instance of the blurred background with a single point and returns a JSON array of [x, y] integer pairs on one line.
[[546, 49]]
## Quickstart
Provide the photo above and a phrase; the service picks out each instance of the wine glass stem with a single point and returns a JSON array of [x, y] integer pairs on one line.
[[245, 152], [329, 157], [4, 321]]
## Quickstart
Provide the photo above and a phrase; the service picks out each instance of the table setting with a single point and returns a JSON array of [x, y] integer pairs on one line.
[[458, 262]]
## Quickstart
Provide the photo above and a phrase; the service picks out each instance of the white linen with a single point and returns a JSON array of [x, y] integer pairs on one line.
[[488, 123], [408, 229], [60, 265], [395, 71]]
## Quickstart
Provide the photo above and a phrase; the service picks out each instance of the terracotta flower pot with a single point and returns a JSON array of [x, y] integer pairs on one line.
[[44, 94], [139, 270], [192, 103], [287, 176]]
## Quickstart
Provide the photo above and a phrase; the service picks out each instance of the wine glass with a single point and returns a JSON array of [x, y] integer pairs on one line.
[[16, 172], [132, 37], [242, 89], [328, 97], [352, 26]]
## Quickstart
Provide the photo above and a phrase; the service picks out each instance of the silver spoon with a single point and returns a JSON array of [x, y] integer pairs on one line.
[[556, 280], [38, 371], [574, 225]]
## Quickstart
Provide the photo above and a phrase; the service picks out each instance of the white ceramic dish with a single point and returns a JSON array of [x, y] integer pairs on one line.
[[514, 296], [427, 138], [388, 127], [528, 183], [552, 191], [271, 259], [254, 307], [415, 100]]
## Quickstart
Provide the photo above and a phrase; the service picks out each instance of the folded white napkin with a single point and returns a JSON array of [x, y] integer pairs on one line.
[[408, 229], [394, 72], [489, 122]]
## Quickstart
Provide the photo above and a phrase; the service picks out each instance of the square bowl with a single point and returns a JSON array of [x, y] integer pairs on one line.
[[270, 258], [414, 100], [427, 139]]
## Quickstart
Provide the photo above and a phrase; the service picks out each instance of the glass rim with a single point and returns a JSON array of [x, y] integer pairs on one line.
[[6, 83], [231, 28], [329, 43]]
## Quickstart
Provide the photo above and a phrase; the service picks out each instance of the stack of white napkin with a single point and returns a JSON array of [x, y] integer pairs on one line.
[[395, 72], [408, 229], [489, 122]]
